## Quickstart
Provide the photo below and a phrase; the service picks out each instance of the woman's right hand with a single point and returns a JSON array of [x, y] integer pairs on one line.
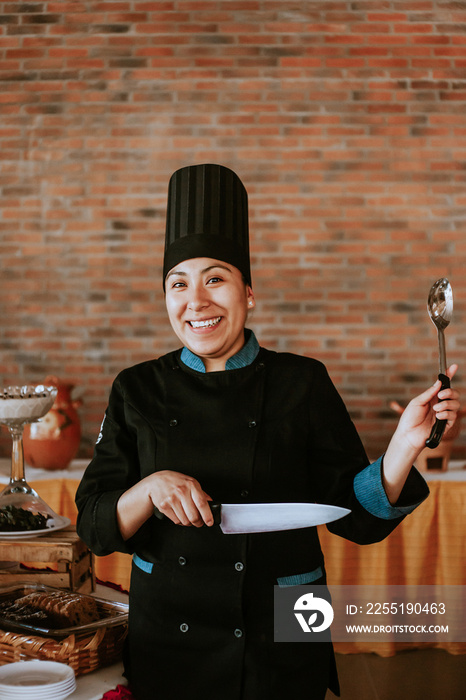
[[180, 498], [176, 495]]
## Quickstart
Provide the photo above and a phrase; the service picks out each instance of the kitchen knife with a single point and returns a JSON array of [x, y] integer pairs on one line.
[[242, 518]]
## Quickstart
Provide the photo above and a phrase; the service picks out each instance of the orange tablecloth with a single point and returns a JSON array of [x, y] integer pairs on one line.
[[428, 548]]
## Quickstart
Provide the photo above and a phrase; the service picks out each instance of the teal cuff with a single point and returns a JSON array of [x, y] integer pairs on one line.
[[370, 493]]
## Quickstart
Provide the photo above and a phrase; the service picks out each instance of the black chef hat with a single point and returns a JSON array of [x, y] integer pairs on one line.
[[207, 217]]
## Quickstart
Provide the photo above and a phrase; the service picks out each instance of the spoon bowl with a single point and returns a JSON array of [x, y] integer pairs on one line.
[[440, 303]]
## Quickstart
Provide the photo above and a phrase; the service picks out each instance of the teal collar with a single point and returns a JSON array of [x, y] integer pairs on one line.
[[243, 357]]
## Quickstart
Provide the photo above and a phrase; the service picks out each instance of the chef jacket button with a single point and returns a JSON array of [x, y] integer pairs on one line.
[[181, 561], [184, 627], [239, 566], [244, 493], [238, 633], [260, 366], [173, 423], [252, 423]]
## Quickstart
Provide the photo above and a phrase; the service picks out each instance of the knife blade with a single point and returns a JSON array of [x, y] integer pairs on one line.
[[245, 518]]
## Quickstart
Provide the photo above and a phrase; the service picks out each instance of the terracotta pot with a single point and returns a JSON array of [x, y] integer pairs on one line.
[[54, 441]]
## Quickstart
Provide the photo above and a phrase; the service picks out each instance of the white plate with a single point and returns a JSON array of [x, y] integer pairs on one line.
[[58, 524], [25, 695], [37, 685], [32, 693], [36, 679], [22, 673], [39, 680]]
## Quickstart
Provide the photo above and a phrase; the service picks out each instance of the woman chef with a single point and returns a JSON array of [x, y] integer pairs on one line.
[[225, 419]]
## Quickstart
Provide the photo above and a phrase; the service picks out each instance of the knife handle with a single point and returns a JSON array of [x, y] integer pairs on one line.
[[439, 425], [216, 509]]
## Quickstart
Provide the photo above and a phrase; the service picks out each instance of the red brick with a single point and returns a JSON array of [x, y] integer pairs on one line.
[[346, 122]]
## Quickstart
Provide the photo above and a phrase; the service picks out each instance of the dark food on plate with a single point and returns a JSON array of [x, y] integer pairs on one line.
[[13, 519], [57, 609]]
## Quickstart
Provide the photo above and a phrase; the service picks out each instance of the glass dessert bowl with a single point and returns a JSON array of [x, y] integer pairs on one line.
[[22, 511]]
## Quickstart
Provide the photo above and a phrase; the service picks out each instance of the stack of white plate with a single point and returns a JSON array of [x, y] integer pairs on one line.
[[36, 680]]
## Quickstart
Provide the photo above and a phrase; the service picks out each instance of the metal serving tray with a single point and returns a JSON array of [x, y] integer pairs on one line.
[[111, 613]]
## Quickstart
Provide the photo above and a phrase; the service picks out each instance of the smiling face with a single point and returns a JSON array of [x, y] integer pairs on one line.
[[208, 302]]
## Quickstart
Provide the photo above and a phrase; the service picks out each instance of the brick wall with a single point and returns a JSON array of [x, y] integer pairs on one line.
[[346, 122]]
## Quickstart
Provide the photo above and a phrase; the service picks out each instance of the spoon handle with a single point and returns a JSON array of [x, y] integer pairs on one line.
[[442, 353], [439, 425]]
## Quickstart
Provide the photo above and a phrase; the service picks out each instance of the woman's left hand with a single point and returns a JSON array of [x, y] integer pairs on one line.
[[420, 414], [414, 427]]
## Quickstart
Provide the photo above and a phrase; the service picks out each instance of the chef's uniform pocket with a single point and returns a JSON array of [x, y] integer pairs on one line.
[[302, 579]]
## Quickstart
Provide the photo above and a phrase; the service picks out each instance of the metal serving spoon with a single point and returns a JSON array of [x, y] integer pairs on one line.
[[440, 307]]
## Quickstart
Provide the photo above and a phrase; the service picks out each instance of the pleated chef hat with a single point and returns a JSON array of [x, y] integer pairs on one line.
[[207, 217]]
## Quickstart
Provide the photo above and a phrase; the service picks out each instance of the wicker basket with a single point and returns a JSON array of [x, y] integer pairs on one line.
[[83, 652]]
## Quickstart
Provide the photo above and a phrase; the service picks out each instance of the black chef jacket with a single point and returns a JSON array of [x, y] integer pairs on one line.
[[201, 603]]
